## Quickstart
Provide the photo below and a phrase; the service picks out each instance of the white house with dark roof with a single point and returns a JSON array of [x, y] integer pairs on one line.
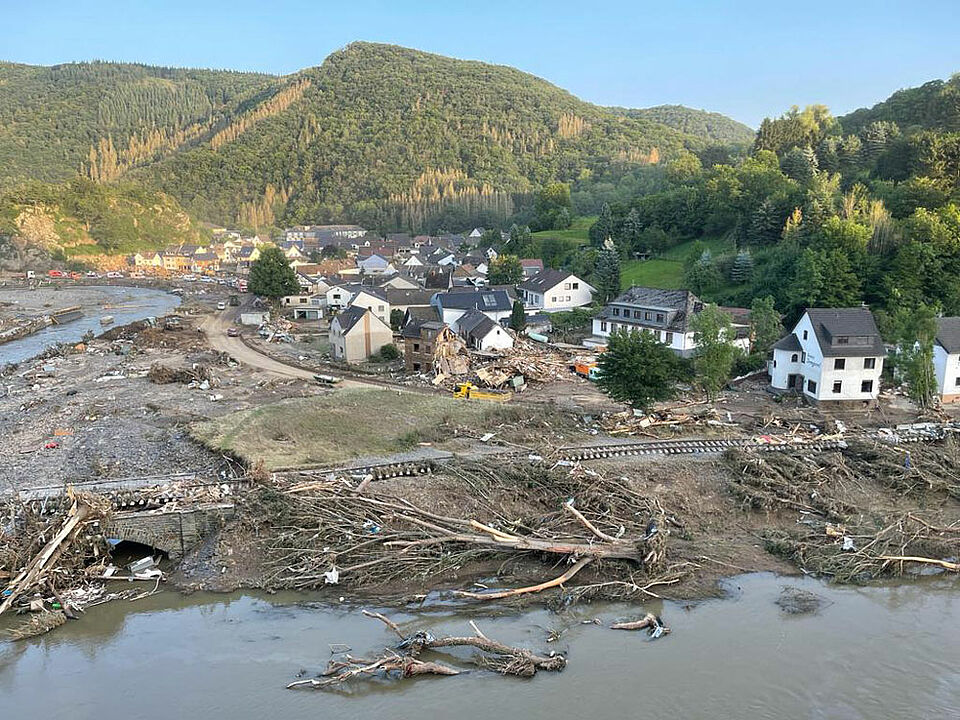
[[664, 313], [946, 359], [481, 333], [453, 305], [832, 354], [555, 291]]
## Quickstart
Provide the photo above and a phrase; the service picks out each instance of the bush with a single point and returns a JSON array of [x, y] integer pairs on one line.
[[387, 353]]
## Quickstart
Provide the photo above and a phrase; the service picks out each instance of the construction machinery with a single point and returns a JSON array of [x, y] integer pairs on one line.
[[586, 369], [471, 392]]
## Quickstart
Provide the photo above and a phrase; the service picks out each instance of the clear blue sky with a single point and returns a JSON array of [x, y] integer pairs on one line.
[[745, 59]]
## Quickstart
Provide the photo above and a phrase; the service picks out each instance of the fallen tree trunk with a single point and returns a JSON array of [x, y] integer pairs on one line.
[[573, 570]]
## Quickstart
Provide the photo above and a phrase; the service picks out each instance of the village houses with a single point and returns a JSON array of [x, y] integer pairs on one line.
[[356, 334], [555, 291], [946, 359]]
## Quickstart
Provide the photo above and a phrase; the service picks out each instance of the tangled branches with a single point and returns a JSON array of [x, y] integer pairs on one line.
[[326, 532], [403, 659], [861, 513]]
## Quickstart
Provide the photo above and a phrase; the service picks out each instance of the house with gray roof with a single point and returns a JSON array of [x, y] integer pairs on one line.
[[664, 313], [356, 334], [453, 305], [946, 359], [479, 332], [555, 291], [831, 355]]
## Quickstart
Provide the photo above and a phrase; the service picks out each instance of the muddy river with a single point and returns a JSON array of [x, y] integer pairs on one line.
[[124, 304], [883, 652]]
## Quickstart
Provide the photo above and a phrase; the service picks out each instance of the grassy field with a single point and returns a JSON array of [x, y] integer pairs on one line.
[[346, 424], [666, 271], [579, 230]]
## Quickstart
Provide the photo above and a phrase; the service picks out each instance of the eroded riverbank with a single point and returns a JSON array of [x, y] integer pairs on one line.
[[879, 652]]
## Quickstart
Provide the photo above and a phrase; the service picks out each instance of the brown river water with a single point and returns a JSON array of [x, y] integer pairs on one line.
[[879, 652]]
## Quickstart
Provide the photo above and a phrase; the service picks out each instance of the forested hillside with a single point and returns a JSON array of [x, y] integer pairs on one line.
[[104, 117], [701, 123], [377, 134], [387, 134], [822, 212]]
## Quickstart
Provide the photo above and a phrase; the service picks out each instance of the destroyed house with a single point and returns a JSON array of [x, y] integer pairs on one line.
[[832, 354], [419, 343], [664, 313]]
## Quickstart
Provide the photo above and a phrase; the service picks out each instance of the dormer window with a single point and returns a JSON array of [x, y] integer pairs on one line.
[[842, 340], [660, 317]]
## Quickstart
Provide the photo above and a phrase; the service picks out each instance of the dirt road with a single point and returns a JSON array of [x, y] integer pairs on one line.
[[215, 327]]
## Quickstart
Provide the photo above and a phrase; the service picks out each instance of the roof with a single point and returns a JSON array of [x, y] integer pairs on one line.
[[479, 299], [414, 328], [475, 324], [531, 262], [788, 343], [948, 334], [829, 323], [683, 304], [401, 296], [350, 317]]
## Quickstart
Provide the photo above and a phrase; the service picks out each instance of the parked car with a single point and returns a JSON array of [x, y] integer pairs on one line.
[[92, 274], [221, 305], [114, 274], [55, 274], [233, 332]]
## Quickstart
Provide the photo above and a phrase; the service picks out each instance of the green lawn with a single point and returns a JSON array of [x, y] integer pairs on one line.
[[579, 230], [667, 274], [666, 271]]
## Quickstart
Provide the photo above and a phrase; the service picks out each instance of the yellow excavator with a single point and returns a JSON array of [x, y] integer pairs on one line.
[[472, 392]]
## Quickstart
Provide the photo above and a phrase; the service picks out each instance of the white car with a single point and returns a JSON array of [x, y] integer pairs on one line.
[[114, 274], [221, 305]]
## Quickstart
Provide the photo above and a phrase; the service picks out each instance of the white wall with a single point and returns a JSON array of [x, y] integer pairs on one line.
[[497, 339], [452, 315], [680, 343], [947, 369], [564, 296], [333, 301], [379, 307]]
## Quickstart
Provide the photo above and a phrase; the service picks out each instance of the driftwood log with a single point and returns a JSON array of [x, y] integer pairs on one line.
[[403, 659]]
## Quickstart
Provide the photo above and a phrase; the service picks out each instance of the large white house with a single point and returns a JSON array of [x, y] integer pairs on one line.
[[375, 299], [832, 354], [664, 313], [453, 305], [946, 359], [554, 291]]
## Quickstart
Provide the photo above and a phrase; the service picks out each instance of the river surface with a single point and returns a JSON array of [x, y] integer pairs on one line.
[[124, 304], [877, 653]]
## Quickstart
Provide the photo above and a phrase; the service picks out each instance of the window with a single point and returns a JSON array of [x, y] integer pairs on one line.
[[869, 363], [553, 299], [866, 386], [616, 311], [843, 340], [804, 334], [416, 347], [566, 286], [957, 383], [669, 338], [637, 314], [840, 364], [837, 387], [603, 326], [794, 357], [416, 367], [660, 317], [811, 386], [576, 286], [647, 316], [803, 357], [380, 308]]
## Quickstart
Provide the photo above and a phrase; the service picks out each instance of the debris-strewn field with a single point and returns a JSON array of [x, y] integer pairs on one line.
[[353, 423]]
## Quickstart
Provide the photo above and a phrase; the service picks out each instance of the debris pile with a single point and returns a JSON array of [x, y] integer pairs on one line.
[[197, 373], [336, 532], [862, 514]]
